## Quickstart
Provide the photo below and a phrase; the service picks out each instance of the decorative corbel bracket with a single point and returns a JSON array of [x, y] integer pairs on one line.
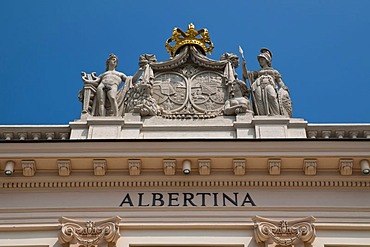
[[274, 166], [134, 167], [169, 167], [89, 233], [310, 167], [64, 167], [204, 167], [345, 167], [29, 168], [100, 167], [299, 232], [239, 167]]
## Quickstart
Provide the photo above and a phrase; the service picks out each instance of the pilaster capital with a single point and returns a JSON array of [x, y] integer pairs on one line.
[[284, 232], [89, 233]]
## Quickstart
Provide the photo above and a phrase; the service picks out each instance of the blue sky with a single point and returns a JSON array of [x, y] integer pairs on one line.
[[321, 48]]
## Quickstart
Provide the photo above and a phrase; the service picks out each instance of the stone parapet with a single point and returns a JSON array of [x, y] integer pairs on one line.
[[34, 132], [338, 131], [134, 126]]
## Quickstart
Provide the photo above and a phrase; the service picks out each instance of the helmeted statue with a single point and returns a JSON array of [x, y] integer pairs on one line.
[[238, 92], [270, 96]]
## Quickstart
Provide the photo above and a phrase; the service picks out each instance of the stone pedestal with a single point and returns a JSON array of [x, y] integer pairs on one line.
[[132, 126], [127, 127], [105, 127], [279, 127], [242, 126]]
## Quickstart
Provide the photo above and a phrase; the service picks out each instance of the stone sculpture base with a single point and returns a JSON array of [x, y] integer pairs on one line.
[[134, 126]]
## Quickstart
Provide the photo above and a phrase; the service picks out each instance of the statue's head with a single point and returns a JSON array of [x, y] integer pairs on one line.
[[144, 59], [111, 57], [234, 59], [267, 55]]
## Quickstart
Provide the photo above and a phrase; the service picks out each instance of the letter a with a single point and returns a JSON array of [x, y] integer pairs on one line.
[[128, 200], [248, 199]]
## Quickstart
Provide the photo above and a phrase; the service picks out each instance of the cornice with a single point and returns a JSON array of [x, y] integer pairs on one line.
[[216, 163], [214, 148]]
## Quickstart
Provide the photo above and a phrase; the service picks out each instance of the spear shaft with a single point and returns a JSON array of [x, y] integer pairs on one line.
[[249, 77]]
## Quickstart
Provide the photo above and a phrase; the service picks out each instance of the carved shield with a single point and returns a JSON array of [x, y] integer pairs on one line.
[[202, 93], [207, 92], [169, 90]]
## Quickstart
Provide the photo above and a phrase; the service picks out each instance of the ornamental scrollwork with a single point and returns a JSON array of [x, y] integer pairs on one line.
[[283, 232], [89, 233]]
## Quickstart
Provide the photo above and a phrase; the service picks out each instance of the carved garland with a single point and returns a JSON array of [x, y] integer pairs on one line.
[[284, 233], [89, 233]]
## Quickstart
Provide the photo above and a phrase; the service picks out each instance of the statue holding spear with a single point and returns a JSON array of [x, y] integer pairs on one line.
[[270, 96]]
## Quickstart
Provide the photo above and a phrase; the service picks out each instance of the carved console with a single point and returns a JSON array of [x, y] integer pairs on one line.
[[297, 233], [134, 167], [239, 167], [169, 167], [89, 233], [274, 166]]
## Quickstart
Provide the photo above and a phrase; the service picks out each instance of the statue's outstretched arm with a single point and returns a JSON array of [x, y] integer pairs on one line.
[[137, 74]]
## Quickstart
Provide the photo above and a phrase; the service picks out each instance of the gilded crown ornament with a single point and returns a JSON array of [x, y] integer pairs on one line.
[[199, 38]]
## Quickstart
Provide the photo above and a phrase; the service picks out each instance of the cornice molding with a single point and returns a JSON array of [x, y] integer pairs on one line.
[[214, 148]]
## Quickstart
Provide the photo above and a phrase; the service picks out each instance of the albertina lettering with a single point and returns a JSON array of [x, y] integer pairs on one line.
[[186, 199]]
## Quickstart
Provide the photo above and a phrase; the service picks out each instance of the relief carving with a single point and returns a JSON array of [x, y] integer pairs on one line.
[[170, 92], [100, 167], [204, 167], [29, 168], [169, 167], [134, 167], [239, 167], [64, 167], [139, 97], [274, 167], [345, 167], [300, 232], [89, 233], [309, 167]]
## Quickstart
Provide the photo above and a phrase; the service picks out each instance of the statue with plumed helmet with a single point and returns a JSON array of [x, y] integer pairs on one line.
[[269, 93]]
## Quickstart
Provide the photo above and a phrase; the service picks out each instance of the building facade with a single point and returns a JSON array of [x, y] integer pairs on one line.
[[185, 154]]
